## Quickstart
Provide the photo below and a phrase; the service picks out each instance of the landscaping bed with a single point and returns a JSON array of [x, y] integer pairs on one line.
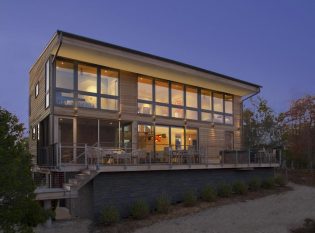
[[192, 204]]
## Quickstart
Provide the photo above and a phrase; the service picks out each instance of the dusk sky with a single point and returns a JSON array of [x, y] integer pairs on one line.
[[269, 42]]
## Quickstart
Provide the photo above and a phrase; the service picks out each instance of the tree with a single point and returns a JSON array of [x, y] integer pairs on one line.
[[261, 126], [299, 122], [19, 211]]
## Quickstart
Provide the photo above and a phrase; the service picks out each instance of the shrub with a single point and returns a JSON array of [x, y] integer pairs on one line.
[[224, 190], [280, 180], [110, 215], [190, 198], [208, 194], [268, 183], [240, 188], [163, 204], [254, 184], [139, 209]]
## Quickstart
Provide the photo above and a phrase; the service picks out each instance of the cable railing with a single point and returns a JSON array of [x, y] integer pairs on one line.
[[84, 155]]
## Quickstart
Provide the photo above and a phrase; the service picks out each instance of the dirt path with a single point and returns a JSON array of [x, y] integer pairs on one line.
[[271, 214]]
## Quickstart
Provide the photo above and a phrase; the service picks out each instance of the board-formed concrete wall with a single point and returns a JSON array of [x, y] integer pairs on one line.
[[121, 189]]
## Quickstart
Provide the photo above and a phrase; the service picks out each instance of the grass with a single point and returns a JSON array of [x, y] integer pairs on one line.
[[110, 216], [240, 188], [139, 210], [190, 198], [163, 204], [208, 194], [224, 190]]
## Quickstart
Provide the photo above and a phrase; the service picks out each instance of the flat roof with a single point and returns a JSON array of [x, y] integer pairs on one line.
[[105, 44]]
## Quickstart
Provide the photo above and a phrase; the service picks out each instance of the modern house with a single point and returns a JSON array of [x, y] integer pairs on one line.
[[110, 124]]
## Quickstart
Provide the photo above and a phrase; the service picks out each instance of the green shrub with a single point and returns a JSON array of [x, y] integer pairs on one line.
[[110, 215], [268, 183], [224, 190], [139, 209], [190, 198], [280, 180], [163, 204], [240, 188], [254, 184], [208, 194]]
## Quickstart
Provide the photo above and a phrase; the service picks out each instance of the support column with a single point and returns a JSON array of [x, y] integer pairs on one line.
[[47, 206], [134, 137]]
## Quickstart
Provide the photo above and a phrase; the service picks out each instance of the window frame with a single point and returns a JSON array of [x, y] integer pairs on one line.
[[37, 89]]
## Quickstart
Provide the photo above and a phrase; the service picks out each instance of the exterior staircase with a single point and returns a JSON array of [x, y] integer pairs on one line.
[[80, 180]]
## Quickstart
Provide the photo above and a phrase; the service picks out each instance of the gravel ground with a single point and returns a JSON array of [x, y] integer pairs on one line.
[[272, 214]]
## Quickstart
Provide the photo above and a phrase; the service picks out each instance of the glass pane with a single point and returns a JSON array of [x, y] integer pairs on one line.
[[109, 82], [47, 73], [64, 98], [145, 137], [206, 99], [161, 138], [218, 102], [87, 78], [177, 94], [87, 131], [229, 140], [161, 92], [192, 139], [228, 104], [161, 110], [177, 112], [64, 75], [191, 115], [47, 100], [229, 120], [218, 118], [191, 97], [145, 108], [206, 116], [87, 101], [110, 104], [109, 136], [144, 88], [177, 138]]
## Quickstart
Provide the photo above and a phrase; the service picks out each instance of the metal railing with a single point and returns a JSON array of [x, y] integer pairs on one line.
[[82, 154]]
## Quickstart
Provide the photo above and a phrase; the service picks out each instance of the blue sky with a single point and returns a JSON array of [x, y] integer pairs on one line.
[[270, 42]]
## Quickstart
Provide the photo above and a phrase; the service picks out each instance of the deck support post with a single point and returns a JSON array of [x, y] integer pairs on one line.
[[47, 206]]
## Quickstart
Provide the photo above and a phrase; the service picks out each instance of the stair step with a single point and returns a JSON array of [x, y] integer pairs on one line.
[[67, 186], [87, 172], [73, 181], [81, 176]]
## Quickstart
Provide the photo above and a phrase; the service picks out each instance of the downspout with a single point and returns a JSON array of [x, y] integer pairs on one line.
[[242, 107]]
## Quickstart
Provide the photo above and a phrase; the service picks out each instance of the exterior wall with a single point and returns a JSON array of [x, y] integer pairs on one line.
[[121, 189], [38, 112]]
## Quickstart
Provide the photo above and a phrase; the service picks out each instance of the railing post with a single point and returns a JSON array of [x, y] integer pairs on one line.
[[280, 158], [223, 157], [236, 157], [248, 157], [85, 155], [59, 147]]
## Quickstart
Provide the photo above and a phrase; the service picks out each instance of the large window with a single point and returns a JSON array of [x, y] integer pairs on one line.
[[192, 139], [161, 92], [177, 94], [47, 84], [64, 75], [145, 95], [86, 86], [161, 138], [191, 97], [177, 138], [145, 137], [87, 78], [217, 102]]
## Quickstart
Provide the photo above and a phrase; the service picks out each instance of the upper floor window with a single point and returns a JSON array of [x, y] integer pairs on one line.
[[36, 89], [206, 103], [161, 91], [64, 75], [87, 78], [47, 84], [145, 88], [191, 97], [228, 104], [217, 102], [177, 96], [109, 82]]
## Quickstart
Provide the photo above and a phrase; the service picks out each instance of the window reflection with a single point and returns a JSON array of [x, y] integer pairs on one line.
[[109, 104], [109, 82], [161, 110], [192, 139], [177, 138], [87, 101], [177, 112], [191, 115], [64, 98], [191, 97], [145, 108], [145, 138], [144, 88], [64, 75], [228, 104], [87, 78], [161, 138], [177, 94], [206, 116], [161, 92], [218, 118], [206, 99], [218, 102], [228, 120]]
